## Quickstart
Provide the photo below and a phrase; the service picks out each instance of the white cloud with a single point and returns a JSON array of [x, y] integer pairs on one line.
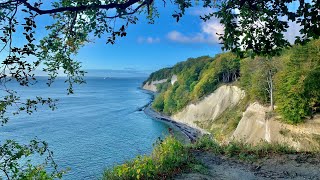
[[292, 32], [210, 29], [207, 34], [149, 40], [200, 11], [181, 38]]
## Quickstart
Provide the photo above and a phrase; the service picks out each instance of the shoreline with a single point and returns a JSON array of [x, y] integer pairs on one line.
[[191, 133]]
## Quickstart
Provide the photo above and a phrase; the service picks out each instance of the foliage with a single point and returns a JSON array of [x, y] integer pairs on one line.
[[253, 80], [11, 154], [207, 143], [241, 150], [168, 157], [258, 27], [158, 103], [295, 74], [298, 93], [224, 69], [163, 86], [227, 122], [295, 79]]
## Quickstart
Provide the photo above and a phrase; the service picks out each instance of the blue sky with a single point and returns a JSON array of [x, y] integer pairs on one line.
[[148, 47]]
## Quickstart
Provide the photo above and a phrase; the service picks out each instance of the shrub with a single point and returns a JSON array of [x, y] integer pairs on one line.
[[242, 150], [168, 157], [207, 143]]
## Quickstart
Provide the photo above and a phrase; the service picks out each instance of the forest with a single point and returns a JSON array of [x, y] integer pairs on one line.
[[292, 77]]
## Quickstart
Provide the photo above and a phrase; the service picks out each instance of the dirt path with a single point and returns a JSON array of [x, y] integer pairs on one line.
[[278, 167]]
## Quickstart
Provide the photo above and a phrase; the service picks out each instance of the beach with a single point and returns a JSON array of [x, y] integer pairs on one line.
[[191, 133]]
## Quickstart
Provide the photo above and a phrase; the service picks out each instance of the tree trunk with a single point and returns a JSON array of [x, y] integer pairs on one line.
[[270, 83]]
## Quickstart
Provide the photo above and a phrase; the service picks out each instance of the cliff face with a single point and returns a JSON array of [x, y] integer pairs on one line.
[[220, 113], [151, 86], [256, 126], [211, 106], [174, 79]]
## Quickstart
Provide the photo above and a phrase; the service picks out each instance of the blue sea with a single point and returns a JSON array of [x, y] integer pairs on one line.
[[95, 128]]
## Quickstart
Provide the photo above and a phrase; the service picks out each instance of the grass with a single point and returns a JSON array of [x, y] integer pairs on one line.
[[224, 125], [169, 157], [241, 150], [284, 132]]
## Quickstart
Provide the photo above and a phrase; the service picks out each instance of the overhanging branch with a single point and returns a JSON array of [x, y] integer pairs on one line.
[[82, 7]]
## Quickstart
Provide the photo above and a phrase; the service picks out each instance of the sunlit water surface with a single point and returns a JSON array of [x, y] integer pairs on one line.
[[93, 129]]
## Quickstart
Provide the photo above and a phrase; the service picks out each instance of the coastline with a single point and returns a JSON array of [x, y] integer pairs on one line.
[[191, 133]]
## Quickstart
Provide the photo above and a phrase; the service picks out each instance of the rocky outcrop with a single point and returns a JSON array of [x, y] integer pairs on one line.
[[211, 106], [151, 86], [174, 79], [255, 126]]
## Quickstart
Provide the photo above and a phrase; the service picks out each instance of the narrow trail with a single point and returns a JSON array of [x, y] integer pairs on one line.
[[294, 166]]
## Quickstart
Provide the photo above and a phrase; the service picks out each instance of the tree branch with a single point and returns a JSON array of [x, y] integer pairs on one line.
[[81, 7], [2, 4], [130, 13]]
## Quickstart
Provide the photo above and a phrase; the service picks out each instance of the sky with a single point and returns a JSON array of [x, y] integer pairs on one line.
[[149, 47]]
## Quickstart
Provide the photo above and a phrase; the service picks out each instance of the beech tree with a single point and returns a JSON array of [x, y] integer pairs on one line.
[[254, 27]]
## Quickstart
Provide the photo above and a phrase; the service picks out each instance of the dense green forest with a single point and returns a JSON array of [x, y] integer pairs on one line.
[[294, 75]]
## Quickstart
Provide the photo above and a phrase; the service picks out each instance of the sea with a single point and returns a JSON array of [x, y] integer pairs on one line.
[[95, 128]]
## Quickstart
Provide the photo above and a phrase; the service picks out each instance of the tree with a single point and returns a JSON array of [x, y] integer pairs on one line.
[[298, 82]]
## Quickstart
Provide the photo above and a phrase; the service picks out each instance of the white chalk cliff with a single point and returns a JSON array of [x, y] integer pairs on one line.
[[152, 85], [256, 126], [211, 106]]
